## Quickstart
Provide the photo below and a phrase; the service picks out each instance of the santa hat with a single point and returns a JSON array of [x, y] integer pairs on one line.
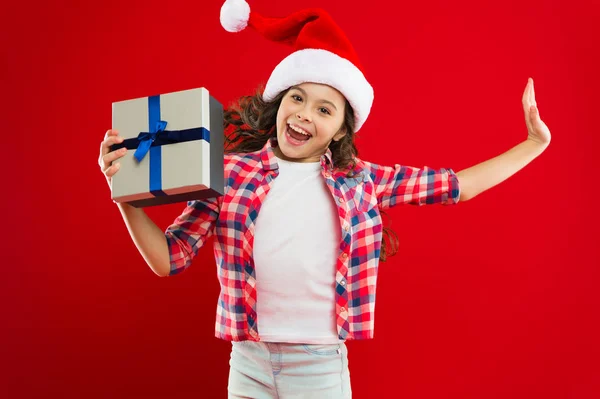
[[322, 53]]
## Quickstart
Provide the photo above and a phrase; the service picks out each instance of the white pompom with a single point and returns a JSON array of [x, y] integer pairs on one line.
[[235, 15]]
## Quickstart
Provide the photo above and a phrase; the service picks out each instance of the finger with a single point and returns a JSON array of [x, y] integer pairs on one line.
[[527, 104], [107, 142], [531, 92], [535, 122], [526, 97], [531, 116], [535, 113], [111, 132], [114, 168], [105, 149], [529, 121], [112, 156]]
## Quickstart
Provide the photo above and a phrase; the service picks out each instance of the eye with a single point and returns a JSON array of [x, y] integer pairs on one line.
[[296, 97], [324, 111]]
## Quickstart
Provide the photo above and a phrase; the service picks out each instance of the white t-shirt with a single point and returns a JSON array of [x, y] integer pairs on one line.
[[296, 239]]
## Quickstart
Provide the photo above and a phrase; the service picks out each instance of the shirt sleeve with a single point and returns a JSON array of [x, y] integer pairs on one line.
[[188, 233], [416, 186]]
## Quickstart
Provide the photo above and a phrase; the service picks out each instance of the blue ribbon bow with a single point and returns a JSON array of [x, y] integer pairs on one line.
[[147, 138]]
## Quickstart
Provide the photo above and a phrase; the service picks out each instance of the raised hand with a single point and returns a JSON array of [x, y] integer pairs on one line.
[[536, 128]]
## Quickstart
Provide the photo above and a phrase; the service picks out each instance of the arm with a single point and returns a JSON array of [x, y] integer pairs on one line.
[[483, 176], [188, 233], [416, 186], [148, 238], [168, 252], [486, 175]]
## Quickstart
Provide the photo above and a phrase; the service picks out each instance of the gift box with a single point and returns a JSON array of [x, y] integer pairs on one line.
[[175, 143]]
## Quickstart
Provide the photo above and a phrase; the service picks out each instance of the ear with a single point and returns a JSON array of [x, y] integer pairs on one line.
[[339, 135]]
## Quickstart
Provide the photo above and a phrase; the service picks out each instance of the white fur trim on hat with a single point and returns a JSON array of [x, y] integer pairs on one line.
[[322, 66], [235, 15]]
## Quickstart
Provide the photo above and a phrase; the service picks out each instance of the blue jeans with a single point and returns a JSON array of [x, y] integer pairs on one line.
[[266, 370]]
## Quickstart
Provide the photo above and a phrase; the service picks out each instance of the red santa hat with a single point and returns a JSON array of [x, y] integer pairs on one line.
[[322, 53]]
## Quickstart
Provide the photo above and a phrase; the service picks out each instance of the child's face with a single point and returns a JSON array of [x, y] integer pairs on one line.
[[312, 108]]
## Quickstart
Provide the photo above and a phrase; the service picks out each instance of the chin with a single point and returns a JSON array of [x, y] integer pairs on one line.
[[288, 152]]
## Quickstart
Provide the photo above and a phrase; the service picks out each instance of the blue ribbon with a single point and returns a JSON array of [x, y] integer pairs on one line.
[[147, 138], [163, 138], [156, 153], [151, 142]]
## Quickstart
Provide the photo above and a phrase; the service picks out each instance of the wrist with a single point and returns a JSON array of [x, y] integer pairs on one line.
[[536, 146], [123, 206]]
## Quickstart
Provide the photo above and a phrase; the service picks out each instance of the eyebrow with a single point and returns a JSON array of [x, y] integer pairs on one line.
[[321, 100]]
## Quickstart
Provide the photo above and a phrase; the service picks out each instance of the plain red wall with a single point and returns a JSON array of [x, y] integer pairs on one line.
[[494, 298]]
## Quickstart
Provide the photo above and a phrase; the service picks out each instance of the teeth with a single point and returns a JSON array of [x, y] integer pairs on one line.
[[296, 129]]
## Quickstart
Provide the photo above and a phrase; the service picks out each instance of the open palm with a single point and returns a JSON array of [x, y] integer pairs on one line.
[[536, 128]]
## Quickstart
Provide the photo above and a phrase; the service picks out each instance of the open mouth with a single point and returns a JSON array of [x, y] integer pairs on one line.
[[297, 134]]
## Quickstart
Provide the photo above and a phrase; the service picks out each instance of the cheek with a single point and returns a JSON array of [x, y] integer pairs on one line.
[[279, 119], [340, 128], [334, 128], [282, 113]]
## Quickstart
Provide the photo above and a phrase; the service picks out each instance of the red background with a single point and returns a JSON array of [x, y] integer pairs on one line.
[[493, 298]]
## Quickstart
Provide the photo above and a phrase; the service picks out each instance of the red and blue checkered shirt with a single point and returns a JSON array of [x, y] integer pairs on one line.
[[230, 218]]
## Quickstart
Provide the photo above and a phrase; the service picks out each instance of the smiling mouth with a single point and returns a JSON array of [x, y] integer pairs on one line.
[[296, 133]]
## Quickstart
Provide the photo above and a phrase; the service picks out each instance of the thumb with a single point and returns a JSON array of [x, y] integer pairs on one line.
[[534, 112]]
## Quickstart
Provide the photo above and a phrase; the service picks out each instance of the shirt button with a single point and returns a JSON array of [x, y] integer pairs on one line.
[[344, 256], [343, 282], [342, 309], [340, 199], [327, 174], [347, 228]]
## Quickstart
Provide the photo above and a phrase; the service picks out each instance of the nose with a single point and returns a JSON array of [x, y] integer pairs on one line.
[[301, 116]]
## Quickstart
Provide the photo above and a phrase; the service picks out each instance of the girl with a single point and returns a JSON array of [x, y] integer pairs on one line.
[[298, 231]]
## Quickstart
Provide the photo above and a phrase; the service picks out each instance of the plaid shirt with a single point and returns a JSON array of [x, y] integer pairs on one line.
[[231, 218]]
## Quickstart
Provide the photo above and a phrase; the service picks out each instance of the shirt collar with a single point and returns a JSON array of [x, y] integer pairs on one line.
[[267, 157], [327, 160]]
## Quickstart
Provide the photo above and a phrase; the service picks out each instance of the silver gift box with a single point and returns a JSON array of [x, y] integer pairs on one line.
[[184, 161]]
